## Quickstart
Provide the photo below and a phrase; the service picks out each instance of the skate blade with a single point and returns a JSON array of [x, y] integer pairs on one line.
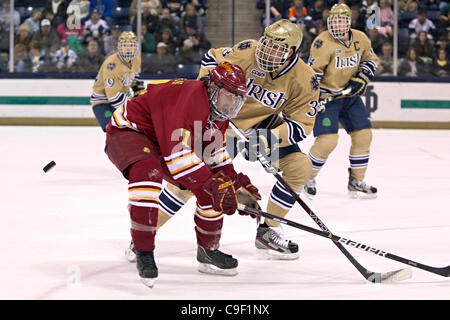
[[130, 255], [211, 269], [149, 282], [361, 195], [269, 254]]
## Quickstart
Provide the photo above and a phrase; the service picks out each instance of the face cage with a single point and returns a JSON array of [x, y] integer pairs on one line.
[[338, 26], [269, 55], [127, 49], [221, 111]]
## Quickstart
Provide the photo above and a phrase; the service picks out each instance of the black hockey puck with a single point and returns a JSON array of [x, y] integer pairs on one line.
[[50, 165]]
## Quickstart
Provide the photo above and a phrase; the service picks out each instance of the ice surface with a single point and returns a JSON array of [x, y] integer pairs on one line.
[[64, 232]]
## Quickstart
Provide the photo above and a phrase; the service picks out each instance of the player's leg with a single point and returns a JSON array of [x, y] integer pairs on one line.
[[208, 229], [356, 121], [128, 151], [296, 169], [325, 130], [103, 113], [171, 200]]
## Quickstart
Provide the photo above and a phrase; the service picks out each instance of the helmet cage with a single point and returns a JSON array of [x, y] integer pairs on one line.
[[338, 25], [127, 49], [224, 104], [270, 55]]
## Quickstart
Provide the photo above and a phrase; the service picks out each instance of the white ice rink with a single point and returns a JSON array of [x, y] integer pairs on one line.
[[63, 233]]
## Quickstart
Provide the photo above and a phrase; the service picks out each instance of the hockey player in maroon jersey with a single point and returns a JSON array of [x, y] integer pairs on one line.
[[175, 131]]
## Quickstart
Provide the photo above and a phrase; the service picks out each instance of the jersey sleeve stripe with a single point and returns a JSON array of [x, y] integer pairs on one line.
[[208, 60], [296, 133]]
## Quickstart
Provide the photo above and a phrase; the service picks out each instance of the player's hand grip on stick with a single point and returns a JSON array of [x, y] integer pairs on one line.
[[261, 141], [247, 193], [358, 84], [223, 195]]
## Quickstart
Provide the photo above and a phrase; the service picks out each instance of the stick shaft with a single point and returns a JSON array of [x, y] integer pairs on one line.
[[445, 271]]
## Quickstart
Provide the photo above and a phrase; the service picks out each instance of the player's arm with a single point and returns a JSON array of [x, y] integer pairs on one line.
[[137, 85], [114, 87], [299, 117], [319, 57], [235, 55], [367, 68]]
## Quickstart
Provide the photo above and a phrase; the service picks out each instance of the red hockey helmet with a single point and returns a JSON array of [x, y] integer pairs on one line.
[[228, 96]]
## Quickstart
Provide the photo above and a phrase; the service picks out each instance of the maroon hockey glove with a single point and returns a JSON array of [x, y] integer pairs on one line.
[[222, 192], [247, 193]]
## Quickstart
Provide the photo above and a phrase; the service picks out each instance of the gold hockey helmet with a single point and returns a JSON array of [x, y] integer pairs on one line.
[[339, 20], [127, 46], [273, 47]]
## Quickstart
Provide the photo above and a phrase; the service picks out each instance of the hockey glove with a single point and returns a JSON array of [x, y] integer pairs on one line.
[[223, 195], [138, 87], [358, 84], [247, 193], [261, 141]]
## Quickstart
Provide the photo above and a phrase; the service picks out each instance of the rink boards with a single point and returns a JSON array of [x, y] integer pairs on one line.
[[66, 102]]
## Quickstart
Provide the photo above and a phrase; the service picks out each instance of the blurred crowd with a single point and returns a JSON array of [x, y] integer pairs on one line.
[[423, 37], [77, 35]]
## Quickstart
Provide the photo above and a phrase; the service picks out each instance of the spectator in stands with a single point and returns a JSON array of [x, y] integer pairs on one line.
[[166, 37], [34, 20], [91, 60], [421, 23], [442, 43], [408, 5], [316, 12], [161, 62], [5, 14], [149, 17], [412, 66], [67, 28], [377, 40], [386, 19], [175, 7], [80, 9], [95, 28], [423, 47], [441, 65], [278, 10], [22, 62], [193, 46], [386, 63], [112, 40], [153, 6], [64, 58], [58, 10], [200, 7], [358, 21], [47, 37], [40, 62], [166, 21], [105, 8], [148, 42], [23, 35], [444, 19], [191, 16]]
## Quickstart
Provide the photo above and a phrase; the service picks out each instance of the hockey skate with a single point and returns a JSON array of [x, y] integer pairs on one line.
[[359, 189], [146, 266], [216, 262], [270, 242], [310, 188], [130, 253]]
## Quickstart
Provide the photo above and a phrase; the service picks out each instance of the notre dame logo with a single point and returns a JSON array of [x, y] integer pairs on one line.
[[318, 43], [315, 83]]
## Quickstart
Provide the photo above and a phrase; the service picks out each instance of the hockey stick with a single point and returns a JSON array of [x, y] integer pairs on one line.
[[374, 277], [401, 274]]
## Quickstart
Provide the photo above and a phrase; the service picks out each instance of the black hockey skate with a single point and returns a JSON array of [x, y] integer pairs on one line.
[[146, 266], [310, 188], [359, 189], [216, 262], [270, 242]]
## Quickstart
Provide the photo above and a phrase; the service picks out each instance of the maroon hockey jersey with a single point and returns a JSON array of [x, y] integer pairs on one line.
[[175, 115]]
